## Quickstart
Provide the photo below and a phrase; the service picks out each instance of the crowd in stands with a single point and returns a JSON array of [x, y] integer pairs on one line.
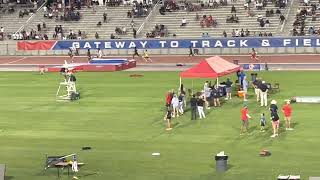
[[67, 14], [245, 33], [207, 21], [309, 11], [158, 31], [140, 9], [25, 12]]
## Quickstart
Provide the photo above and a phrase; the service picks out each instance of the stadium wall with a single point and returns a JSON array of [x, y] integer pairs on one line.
[[11, 48]]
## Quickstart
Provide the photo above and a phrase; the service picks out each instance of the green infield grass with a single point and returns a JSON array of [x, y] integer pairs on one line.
[[121, 118]]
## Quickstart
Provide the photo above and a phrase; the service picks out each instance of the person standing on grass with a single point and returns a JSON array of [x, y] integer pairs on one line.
[[167, 118], [200, 104], [287, 111], [175, 105], [207, 94], [263, 94], [262, 122], [256, 85], [135, 52], [215, 95], [244, 119], [193, 105], [228, 89], [168, 99], [245, 88], [275, 118], [181, 103]]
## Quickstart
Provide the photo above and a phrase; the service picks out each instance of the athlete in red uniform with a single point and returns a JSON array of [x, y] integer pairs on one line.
[[254, 55]]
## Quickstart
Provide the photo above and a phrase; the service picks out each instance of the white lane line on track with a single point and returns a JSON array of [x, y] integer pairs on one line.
[[16, 60]]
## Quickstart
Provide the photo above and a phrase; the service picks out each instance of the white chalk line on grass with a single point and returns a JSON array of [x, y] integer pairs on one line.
[[16, 60]]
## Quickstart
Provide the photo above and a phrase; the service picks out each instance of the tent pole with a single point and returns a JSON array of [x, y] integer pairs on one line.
[[217, 81], [192, 87], [180, 85]]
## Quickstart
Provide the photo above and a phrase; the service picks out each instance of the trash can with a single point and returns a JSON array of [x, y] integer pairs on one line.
[[221, 163]]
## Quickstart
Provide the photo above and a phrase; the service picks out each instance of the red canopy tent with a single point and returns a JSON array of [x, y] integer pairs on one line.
[[212, 67]]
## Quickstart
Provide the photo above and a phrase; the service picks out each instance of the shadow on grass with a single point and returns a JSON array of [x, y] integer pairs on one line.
[[230, 166], [8, 177]]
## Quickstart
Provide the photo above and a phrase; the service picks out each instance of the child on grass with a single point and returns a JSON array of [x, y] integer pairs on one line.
[[167, 118], [262, 122]]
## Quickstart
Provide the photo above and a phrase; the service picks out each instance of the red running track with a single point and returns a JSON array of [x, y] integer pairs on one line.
[[40, 60]]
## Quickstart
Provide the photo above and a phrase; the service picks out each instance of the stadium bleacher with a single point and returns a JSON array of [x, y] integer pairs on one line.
[[117, 17]]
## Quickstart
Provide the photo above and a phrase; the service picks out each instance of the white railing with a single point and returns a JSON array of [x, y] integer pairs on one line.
[[287, 16], [30, 18], [150, 15]]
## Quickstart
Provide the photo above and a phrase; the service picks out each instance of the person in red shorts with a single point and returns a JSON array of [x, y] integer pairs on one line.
[[253, 54], [287, 111], [244, 119]]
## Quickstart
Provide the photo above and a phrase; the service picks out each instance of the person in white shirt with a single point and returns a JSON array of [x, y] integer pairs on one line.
[[175, 105], [237, 33], [183, 22]]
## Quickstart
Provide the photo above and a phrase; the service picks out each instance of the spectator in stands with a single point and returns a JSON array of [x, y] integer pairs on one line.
[[260, 17], [96, 35], [237, 33], [20, 14], [278, 11], [294, 32], [270, 34], [282, 18], [265, 34], [224, 33], [124, 30], [233, 33], [197, 17], [39, 27], [233, 9], [134, 33], [309, 11], [242, 33], [232, 19], [267, 23], [44, 25], [314, 17], [311, 30], [260, 34], [246, 5], [105, 17], [50, 15], [249, 12], [262, 23], [210, 4], [99, 24], [267, 13], [247, 32], [183, 22]]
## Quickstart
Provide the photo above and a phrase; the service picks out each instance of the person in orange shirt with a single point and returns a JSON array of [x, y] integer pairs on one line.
[[287, 111], [245, 119]]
